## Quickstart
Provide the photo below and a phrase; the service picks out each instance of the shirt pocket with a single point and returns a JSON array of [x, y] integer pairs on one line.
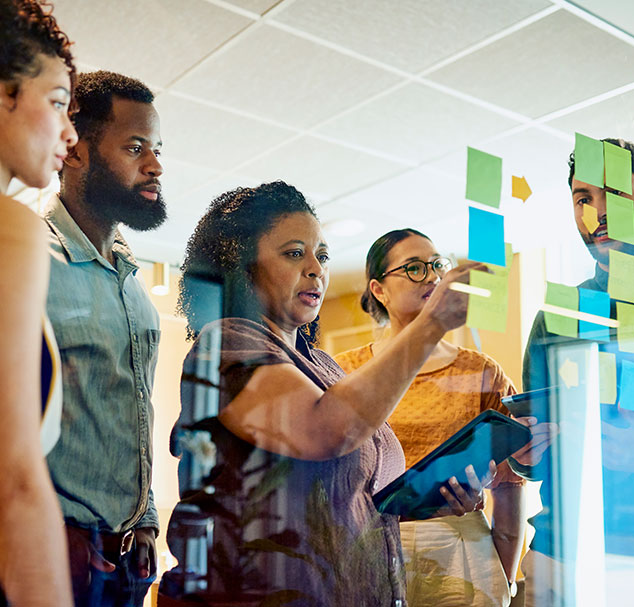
[[153, 337]]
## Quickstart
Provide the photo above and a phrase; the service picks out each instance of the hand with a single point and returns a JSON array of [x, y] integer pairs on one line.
[[459, 501], [83, 555], [449, 308], [145, 538], [543, 436]]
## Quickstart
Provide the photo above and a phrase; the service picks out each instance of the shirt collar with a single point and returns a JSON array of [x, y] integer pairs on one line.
[[75, 242]]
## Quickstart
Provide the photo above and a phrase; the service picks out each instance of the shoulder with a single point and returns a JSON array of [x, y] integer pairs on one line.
[[16, 219], [353, 359], [493, 373]]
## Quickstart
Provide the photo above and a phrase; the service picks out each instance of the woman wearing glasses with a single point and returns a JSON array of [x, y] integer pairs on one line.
[[453, 560]]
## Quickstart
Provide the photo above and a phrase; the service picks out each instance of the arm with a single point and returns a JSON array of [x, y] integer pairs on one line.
[[279, 408], [509, 525], [33, 554]]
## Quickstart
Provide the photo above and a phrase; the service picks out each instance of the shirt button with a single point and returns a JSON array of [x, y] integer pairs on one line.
[[375, 485], [135, 338], [393, 562], [398, 603], [140, 394], [143, 453]]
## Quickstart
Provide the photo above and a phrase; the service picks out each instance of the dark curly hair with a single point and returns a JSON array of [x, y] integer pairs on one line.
[[626, 145], [93, 99], [223, 250], [376, 265], [27, 29]]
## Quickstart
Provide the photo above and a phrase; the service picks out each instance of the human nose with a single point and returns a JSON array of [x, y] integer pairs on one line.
[[600, 205], [153, 167], [69, 134], [314, 268]]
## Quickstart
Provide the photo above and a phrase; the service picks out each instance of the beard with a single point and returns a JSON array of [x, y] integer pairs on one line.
[[108, 198]]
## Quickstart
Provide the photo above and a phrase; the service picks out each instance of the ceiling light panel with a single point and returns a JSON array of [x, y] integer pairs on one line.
[[549, 64], [279, 76], [408, 34], [154, 40]]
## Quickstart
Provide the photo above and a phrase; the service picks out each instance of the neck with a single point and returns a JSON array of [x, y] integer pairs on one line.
[[288, 336], [99, 230], [5, 179]]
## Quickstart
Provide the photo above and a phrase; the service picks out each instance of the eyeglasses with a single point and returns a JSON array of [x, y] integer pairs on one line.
[[417, 270]]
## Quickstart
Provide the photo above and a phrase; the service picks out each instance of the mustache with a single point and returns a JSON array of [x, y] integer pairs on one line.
[[153, 182]]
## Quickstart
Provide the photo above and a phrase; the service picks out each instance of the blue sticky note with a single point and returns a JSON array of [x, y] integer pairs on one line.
[[486, 237], [626, 400], [597, 303]]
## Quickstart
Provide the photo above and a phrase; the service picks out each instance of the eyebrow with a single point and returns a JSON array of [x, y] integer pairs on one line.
[[580, 191], [419, 259], [321, 244], [144, 140], [63, 89]]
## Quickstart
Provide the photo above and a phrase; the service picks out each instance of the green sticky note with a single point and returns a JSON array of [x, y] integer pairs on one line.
[[563, 297], [506, 268], [620, 214], [484, 177], [607, 378], [621, 276], [618, 167], [488, 312], [589, 160], [625, 330]]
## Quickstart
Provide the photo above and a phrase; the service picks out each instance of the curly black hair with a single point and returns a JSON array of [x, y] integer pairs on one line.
[[376, 265], [93, 99], [27, 29], [626, 145], [223, 250]]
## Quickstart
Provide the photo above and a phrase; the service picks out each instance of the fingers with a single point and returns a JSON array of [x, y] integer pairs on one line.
[[99, 562], [461, 501], [455, 506], [143, 560]]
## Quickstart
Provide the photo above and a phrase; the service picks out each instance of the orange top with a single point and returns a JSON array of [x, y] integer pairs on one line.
[[440, 402]]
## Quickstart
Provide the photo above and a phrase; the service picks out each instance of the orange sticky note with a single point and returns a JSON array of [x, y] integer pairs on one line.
[[589, 218]]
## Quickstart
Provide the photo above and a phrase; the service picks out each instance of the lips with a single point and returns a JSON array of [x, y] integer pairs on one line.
[[150, 191], [428, 293], [310, 298], [601, 233], [59, 161]]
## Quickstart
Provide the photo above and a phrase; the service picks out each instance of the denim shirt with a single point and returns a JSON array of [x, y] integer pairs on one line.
[[108, 332]]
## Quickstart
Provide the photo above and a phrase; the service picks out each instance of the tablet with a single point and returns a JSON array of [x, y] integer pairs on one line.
[[416, 493], [535, 403]]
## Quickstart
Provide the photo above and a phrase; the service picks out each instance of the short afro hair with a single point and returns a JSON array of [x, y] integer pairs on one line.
[[626, 145], [27, 29], [93, 99], [223, 250]]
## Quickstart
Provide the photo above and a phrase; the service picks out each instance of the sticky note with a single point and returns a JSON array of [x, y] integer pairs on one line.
[[597, 303], [588, 160], [618, 167], [626, 401], [620, 214], [486, 237], [589, 218], [625, 330], [484, 177], [564, 297], [621, 276], [607, 378], [488, 312]]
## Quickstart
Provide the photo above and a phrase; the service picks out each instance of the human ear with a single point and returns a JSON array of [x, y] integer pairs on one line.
[[8, 94], [77, 155], [376, 288]]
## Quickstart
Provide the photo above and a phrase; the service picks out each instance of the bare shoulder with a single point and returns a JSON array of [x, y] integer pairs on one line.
[[18, 222]]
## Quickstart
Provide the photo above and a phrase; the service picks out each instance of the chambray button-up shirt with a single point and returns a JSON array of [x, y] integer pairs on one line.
[[108, 334]]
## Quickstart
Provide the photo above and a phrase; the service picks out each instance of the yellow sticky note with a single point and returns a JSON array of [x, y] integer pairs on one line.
[[488, 312], [625, 330], [607, 378], [621, 276], [589, 218]]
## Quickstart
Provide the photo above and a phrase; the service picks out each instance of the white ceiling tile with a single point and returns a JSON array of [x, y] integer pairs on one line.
[[255, 6], [196, 133], [552, 63], [180, 178], [279, 76], [416, 123], [611, 118], [616, 12], [407, 34], [320, 169], [154, 40]]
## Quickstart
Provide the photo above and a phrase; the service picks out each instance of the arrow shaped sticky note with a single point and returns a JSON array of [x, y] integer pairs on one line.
[[520, 188], [589, 218], [620, 215], [588, 160], [607, 378], [484, 177], [569, 373], [625, 330], [564, 297], [618, 167], [620, 278]]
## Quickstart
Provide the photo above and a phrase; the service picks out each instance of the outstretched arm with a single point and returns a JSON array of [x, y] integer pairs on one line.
[[33, 554]]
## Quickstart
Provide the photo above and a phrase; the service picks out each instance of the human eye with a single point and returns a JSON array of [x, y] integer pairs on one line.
[[416, 268], [157, 153], [323, 257], [583, 200], [294, 254], [613, 191], [135, 149], [442, 264], [60, 106]]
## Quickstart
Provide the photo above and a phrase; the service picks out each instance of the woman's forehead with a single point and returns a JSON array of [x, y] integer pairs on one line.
[[296, 226], [413, 246]]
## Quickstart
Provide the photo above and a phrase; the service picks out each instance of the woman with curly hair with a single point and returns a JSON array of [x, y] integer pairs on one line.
[[301, 447], [36, 73]]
